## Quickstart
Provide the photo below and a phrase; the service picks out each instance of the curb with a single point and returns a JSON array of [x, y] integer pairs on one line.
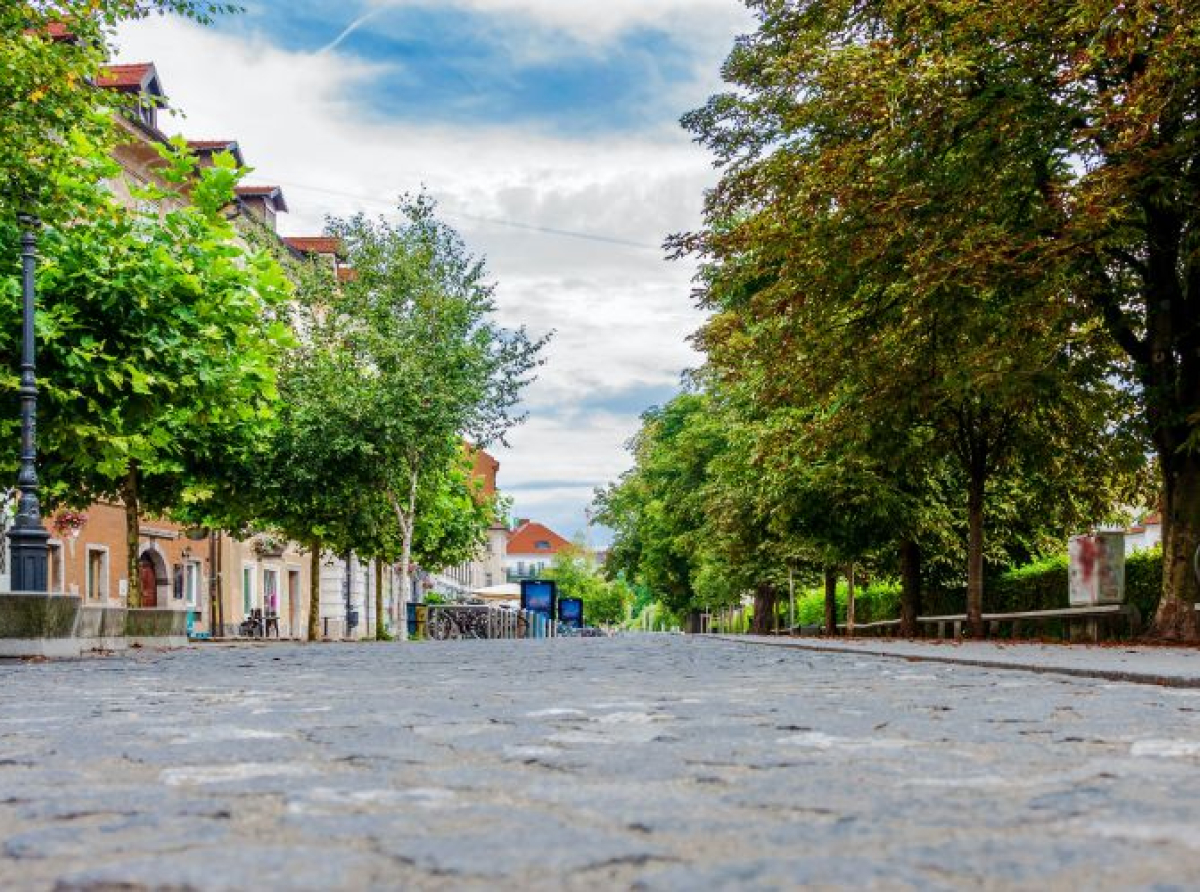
[[1120, 675]]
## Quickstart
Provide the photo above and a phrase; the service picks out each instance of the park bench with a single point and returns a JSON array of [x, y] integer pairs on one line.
[[1090, 621]]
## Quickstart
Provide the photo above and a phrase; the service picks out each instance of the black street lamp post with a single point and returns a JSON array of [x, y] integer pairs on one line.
[[28, 538]]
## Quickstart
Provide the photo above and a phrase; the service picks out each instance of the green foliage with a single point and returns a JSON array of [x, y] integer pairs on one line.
[[431, 367], [910, 343], [1040, 585], [879, 601], [605, 602], [160, 345], [975, 220], [654, 617], [658, 509], [396, 368], [47, 102], [453, 516]]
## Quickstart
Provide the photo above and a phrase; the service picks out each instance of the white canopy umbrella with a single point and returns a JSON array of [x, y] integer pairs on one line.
[[507, 591]]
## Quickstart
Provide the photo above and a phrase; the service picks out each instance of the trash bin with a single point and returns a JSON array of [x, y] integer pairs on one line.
[[412, 619]]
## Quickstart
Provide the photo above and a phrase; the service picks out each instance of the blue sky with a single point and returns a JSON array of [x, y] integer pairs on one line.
[[445, 63], [548, 132]]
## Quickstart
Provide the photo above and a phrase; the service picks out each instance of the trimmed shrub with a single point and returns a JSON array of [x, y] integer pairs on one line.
[[879, 601], [1042, 585]]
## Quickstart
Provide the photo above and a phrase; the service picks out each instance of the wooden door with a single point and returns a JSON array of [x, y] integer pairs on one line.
[[149, 580]]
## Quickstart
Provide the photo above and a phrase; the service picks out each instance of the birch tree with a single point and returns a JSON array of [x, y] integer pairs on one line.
[[435, 366]]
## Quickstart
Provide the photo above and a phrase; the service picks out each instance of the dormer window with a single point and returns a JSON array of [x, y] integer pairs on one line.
[[140, 81], [205, 149], [542, 545], [263, 202]]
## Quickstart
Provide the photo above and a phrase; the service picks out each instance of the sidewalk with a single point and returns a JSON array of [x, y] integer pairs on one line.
[[1177, 667]]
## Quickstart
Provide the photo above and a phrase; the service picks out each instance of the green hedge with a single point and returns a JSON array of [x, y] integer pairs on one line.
[[878, 602], [1043, 585], [1038, 586]]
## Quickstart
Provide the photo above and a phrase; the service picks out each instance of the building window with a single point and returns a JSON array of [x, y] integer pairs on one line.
[[191, 583], [54, 571], [247, 590], [271, 590], [97, 573], [542, 545]]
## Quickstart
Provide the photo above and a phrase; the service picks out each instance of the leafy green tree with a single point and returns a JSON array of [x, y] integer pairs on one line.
[[657, 509], [879, 237], [434, 365], [452, 519], [310, 479], [48, 103], [160, 344], [605, 602]]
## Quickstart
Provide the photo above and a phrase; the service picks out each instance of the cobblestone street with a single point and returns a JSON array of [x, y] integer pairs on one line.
[[651, 762]]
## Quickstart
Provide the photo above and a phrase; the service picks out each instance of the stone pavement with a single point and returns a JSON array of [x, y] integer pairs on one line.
[[1172, 666], [649, 762]]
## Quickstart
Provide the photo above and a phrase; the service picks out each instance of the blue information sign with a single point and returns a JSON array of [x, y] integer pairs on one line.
[[539, 595], [570, 612]]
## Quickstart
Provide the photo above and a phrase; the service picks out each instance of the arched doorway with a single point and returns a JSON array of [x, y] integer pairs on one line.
[[152, 573]]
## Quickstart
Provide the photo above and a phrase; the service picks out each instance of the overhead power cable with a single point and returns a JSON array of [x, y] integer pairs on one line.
[[495, 221]]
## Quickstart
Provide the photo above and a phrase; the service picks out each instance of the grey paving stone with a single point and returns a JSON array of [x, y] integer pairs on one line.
[[655, 762]]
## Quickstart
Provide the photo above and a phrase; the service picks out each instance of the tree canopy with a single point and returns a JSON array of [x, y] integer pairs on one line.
[[913, 265]]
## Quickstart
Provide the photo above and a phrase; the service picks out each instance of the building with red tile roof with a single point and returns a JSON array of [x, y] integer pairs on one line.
[[135, 78], [1146, 534], [316, 244], [531, 549]]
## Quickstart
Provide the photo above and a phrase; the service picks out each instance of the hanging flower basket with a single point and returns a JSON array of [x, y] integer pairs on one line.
[[267, 546], [69, 524]]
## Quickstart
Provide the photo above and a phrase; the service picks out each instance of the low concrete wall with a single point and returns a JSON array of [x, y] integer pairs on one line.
[[36, 624], [101, 628], [153, 627]]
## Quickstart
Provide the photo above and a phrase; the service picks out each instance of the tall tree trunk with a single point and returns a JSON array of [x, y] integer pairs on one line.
[[1176, 616], [975, 496], [764, 609], [831, 578], [380, 628], [216, 590], [129, 495], [406, 517], [850, 601], [314, 592], [910, 592]]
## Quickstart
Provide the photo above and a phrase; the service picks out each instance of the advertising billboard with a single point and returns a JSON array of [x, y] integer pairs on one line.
[[539, 595], [570, 612]]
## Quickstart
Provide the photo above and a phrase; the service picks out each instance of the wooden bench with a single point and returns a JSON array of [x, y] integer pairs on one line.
[[1091, 619]]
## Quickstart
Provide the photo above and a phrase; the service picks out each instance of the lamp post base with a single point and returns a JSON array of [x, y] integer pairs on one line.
[[28, 552]]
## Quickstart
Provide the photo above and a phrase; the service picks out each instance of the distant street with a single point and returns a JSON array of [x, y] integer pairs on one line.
[[655, 762]]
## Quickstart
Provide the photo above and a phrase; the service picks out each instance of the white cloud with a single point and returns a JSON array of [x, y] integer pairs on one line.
[[621, 313], [596, 22]]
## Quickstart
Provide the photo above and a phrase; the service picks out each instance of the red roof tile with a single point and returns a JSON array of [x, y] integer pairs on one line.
[[56, 31], [525, 539], [124, 77], [316, 244]]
